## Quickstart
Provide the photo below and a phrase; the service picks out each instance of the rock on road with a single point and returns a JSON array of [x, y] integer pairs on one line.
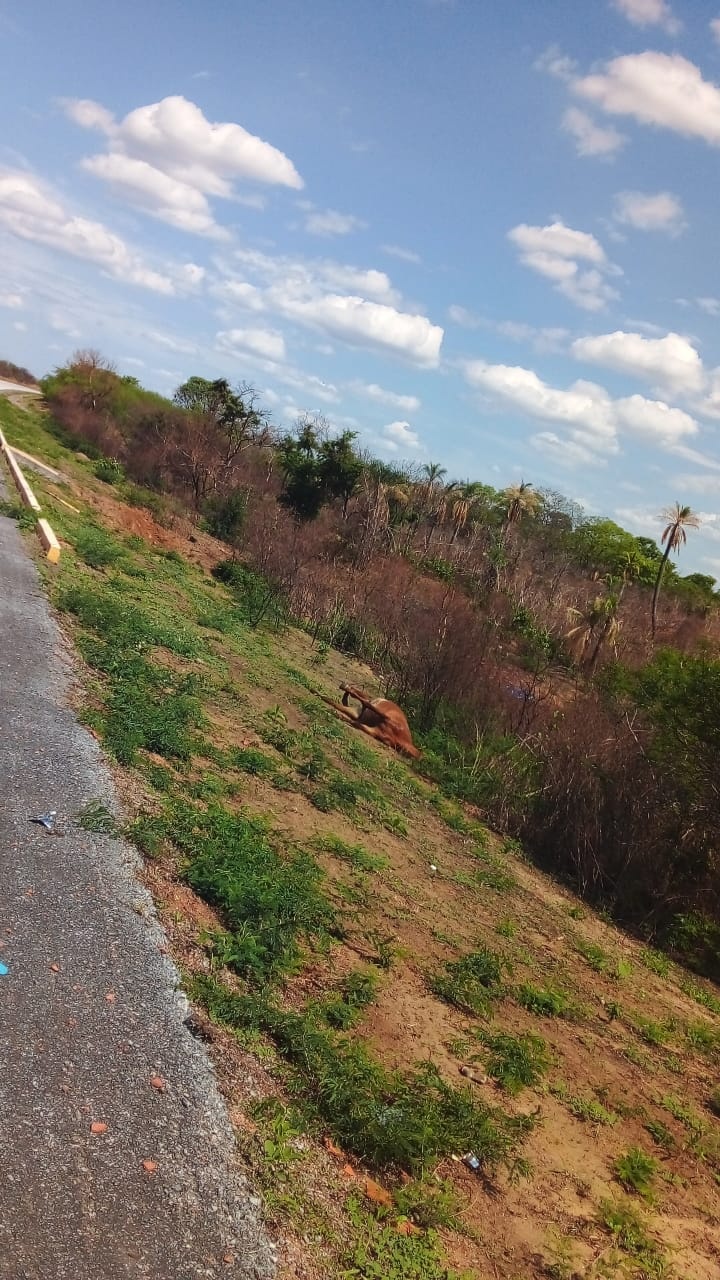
[[90, 1013]]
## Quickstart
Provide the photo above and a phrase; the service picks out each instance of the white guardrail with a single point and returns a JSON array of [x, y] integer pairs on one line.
[[49, 542]]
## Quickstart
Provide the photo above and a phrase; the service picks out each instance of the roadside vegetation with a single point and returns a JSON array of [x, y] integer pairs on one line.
[[439, 1063]]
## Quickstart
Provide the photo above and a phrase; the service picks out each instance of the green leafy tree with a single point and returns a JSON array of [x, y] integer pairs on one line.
[[674, 537], [317, 470]]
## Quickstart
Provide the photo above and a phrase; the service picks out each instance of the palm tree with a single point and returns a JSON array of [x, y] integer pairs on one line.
[[522, 501], [598, 622], [434, 475], [674, 537]]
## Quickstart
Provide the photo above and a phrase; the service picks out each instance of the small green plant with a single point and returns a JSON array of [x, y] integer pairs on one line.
[[380, 1251], [546, 1002], [516, 1062], [360, 858], [660, 1134], [656, 961], [343, 1008], [320, 656], [652, 1032], [109, 470], [704, 1038], [506, 928], [472, 982], [636, 1171], [95, 816], [588, 1110], [25, 516], [494, 876], [622, 1220], [255, 762], [561, 1258], [598, 959], [702, 995], [429, 1202]]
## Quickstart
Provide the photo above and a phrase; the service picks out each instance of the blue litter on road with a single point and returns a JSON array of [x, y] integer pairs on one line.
[[46, 820], [3, 969]]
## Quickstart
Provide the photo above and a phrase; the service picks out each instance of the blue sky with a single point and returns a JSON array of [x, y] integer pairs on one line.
[[477, 234]]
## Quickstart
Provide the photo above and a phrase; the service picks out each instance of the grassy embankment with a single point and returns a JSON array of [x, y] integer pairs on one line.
[[346, 983]]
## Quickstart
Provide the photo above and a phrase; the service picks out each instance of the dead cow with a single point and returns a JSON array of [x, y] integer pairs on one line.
[[378, 717]]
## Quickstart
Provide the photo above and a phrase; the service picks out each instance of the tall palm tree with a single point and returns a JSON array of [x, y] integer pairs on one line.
[[522, 501], [674, 537], [434, 475]]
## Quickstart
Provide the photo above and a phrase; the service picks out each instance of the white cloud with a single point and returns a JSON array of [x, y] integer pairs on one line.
[[407, 404], [465, 318], [591, 418], [646, 523], [11, 300], [89, 114], [31, 212], [698, 483], [591, 139], [557, 252], [654, 420], [396, 251], [555, 63], [173, 135], [665, 90], [715, 28], [370, 283], [364, 323], [328, 222], [671, 362], [308, 294], [660, 212], [268, 344], [568, 453], [649, 13], [710, 404], [159, 195], [310, 384], [711, 306], [170, 343], [20, 326], [167, 158], [397, 436]]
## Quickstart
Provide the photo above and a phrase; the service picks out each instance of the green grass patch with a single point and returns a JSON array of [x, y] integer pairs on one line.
[[269, 900], [97, 548], [516, 1062], [359, 858], [636, 1171], [630, 1235], [471, 983], [589, 1110], [545, 1002], [343, 1007], [393, 1119]]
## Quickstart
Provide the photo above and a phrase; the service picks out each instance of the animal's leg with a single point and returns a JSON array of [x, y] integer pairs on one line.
[[352, 692], [344, 711]]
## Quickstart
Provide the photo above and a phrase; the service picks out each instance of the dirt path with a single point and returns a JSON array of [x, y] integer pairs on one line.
[[117, 1154]]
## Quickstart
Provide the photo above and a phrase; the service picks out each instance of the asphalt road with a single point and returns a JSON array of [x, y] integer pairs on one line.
[[90, 1012]]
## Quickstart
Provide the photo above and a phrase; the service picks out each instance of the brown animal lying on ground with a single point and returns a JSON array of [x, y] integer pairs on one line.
[[379, 718]]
